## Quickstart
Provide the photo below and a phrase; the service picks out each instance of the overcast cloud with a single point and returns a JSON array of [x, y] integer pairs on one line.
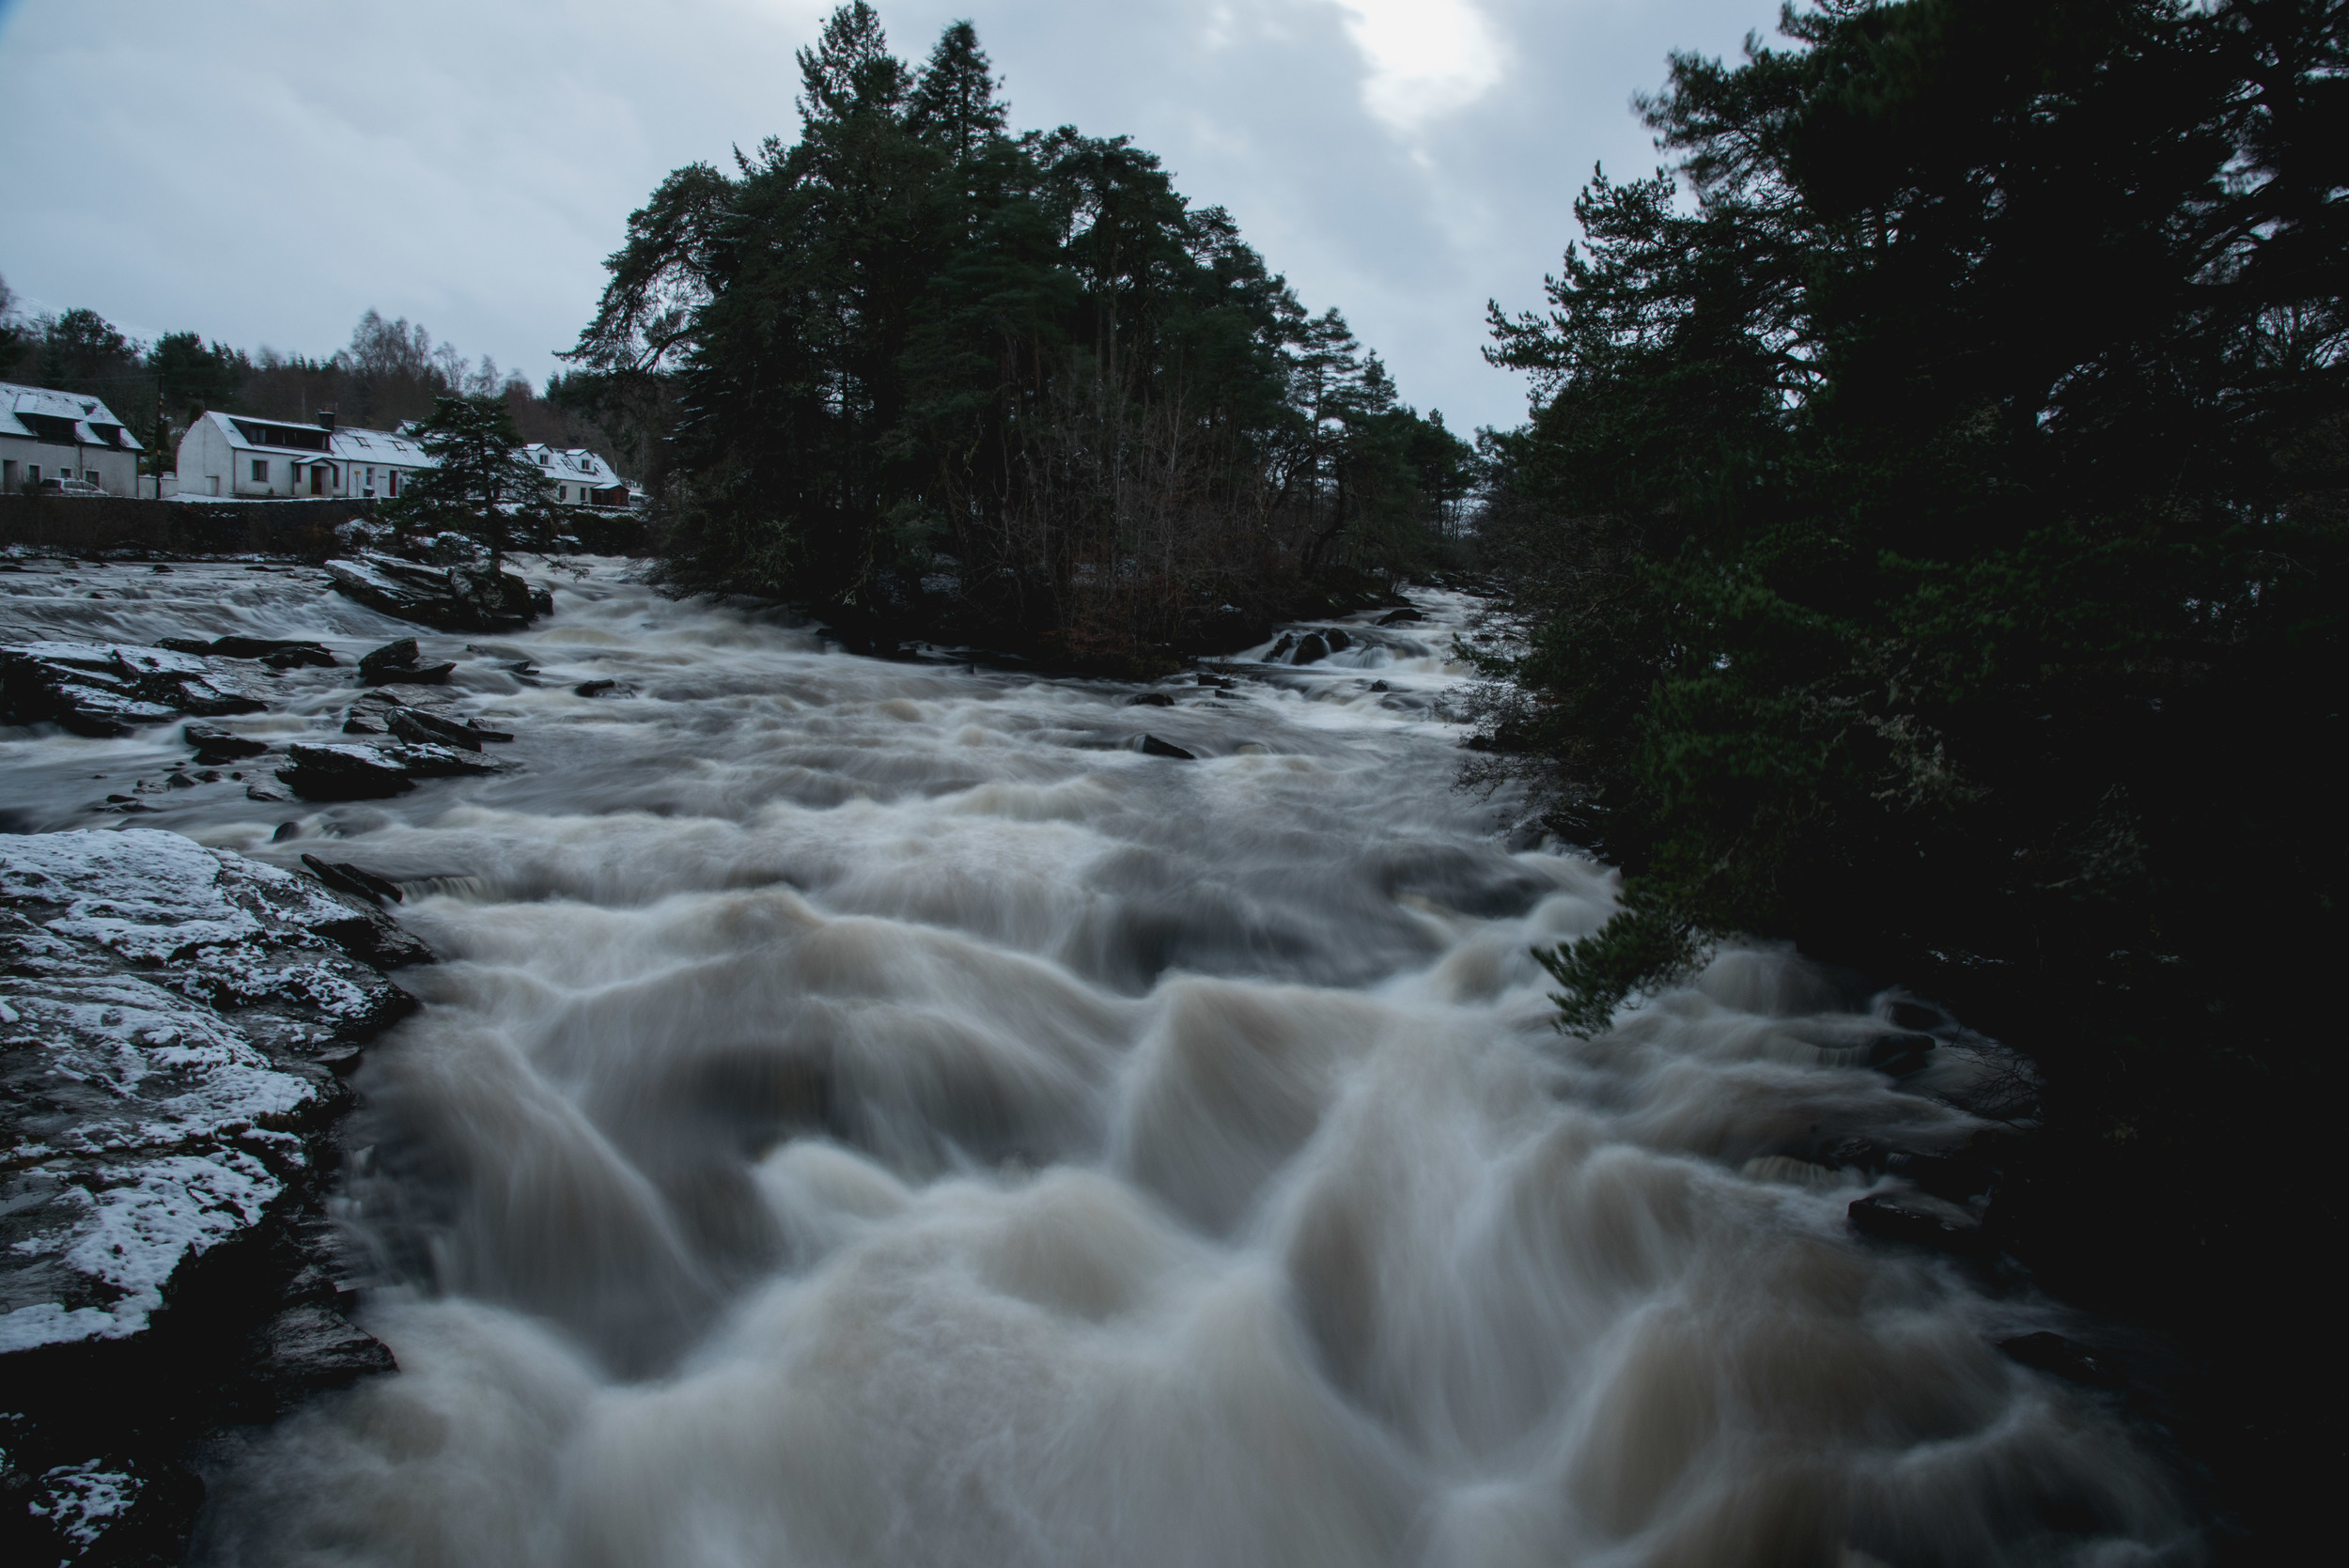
[[262, 171]]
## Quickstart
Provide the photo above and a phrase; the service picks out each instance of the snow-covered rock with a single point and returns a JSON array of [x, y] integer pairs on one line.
[[168, 1017], [102, 689], [461, 597]]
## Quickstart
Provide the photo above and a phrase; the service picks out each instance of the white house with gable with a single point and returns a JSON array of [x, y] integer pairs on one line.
[[581, 478], [47, 436], [236, 457]]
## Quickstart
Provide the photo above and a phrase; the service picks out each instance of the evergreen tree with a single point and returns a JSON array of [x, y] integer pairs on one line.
[[1934, 542], [911, 348], [481, 486]]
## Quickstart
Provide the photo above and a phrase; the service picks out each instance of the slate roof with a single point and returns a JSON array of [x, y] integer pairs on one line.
[[38, 413]]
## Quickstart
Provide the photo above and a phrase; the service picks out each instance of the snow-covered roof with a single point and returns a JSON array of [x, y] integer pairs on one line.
[[68, 416], [381, 446], [348, 443], [573, 463]]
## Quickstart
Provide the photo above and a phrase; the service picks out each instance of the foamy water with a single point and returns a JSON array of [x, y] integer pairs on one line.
[[868, 1115]]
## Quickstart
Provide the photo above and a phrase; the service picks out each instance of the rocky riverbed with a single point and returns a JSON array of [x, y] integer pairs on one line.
[[911, 1109], [177, 1023]]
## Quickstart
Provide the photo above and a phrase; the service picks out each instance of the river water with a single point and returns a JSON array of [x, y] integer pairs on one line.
[[868, 1114]]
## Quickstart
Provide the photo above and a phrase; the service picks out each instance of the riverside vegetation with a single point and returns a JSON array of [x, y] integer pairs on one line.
[[1928, 548], [934, 375]]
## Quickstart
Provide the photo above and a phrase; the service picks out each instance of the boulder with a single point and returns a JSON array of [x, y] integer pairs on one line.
[[345, 878], [100, 689], [279, 653], [344, 773], [1150, 745], [349, 771], [213, 745], [1312, 649], [1400, 618], [430, 727], [459, 598], [1287, 642], [1888, 1219], [399, 665], [600, 688], [1339, 639], [1149, 699]]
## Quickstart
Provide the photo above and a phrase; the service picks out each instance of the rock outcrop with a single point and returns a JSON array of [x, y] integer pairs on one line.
[[356, 770], [106, 689], [454, 599], [172, 1024]]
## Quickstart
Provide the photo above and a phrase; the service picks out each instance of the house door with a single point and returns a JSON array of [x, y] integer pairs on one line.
[[317, 478]]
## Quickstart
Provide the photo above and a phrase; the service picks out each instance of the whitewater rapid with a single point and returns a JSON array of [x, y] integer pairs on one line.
[[867, 1113]]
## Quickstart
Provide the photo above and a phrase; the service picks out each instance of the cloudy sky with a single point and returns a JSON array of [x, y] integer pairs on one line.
[[262, 171]]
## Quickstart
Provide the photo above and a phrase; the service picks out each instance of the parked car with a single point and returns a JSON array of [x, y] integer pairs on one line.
[[69, 487]]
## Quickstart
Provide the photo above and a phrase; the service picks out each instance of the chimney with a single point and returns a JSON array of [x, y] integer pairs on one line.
[[326, 418]]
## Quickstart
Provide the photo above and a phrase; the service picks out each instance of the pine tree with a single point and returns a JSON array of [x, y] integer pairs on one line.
[[481, 486]]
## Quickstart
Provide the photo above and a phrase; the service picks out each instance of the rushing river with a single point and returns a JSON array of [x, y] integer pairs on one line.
[[868, 1114]]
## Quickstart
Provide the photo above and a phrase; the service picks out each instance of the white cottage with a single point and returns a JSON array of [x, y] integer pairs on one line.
[[234, 455], [581, 478], [47, 435]]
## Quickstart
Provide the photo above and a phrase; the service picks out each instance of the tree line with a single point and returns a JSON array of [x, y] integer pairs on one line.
[[389, 374], [1927, 545], [928, 372]]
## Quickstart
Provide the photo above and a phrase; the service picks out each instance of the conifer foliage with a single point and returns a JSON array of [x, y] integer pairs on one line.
[[481, 485], [1934, 538], [925, 367]]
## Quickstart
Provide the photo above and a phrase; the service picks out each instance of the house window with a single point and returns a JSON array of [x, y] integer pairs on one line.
[[562, 492], [32, 472], [260, 471], [90, 474]]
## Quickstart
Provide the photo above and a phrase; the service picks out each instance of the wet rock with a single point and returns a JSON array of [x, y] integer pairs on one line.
[[344, 773], [264, 794], [354, 772], [171, 1020], [278, 653], [345, 878], [1287, 642], [399, 665], [362, 722], [427, 729], [1400, 618], [177, 781], [1312, 649], [97, 688], [599, 689], [1915, 1015], [1888, 1219], [311, 1347], [215, 745], [1149, 699], [460, 597], [1150, 745], [1899, 1055], [1338, 639], [1380, 686], [2053, 1353]]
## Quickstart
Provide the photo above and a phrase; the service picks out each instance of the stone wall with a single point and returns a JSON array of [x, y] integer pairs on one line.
[[80, 525]]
